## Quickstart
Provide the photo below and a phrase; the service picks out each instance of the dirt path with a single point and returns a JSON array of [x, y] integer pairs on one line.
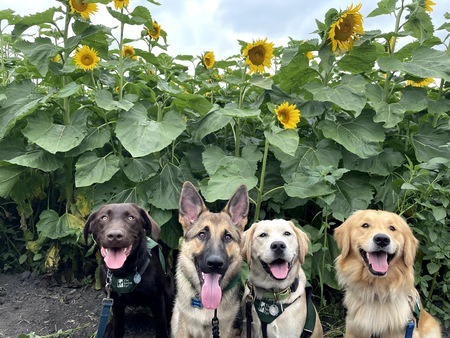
[[29, 305]]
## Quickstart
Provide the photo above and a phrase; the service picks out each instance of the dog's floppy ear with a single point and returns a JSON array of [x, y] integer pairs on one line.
[[191, 205], [88, 226], [150, 224], [342, 236], [237, 207], [303, 242], [247, 243], [410, 246]]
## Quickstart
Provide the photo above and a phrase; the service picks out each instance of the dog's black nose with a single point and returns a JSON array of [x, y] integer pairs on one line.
[[382, 240], [114, 235], [278, 246], [215, 263]]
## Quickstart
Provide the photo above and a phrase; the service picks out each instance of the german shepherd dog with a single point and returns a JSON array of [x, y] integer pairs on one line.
[[133, 264], [209, 264]]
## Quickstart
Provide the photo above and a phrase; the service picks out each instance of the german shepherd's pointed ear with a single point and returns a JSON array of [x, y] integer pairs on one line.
[[150, 224], [237, 207], [191, 205], [88, 226]]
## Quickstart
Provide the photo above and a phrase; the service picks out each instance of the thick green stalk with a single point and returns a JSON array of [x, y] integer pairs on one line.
[[122, 26], [2, 56], [261, 181]]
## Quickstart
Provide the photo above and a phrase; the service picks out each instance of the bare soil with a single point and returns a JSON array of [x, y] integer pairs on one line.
[[33, 306]]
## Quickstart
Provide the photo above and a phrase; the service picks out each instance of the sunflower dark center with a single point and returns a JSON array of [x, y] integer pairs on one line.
[[345, 30], [79, 5], [87, 60], [257, 55], [283, 116]]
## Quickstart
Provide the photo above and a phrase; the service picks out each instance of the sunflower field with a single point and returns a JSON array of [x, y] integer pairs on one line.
[[316, 129]]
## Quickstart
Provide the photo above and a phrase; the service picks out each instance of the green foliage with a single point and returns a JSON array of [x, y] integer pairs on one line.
[[133, 130]]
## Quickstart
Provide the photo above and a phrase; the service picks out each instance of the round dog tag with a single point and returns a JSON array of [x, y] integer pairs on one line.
[[273, 310], [137, 278]]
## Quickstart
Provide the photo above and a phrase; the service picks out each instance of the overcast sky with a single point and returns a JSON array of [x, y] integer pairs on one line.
[[196, 26]]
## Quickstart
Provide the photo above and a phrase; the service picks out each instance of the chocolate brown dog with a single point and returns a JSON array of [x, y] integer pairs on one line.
[[132, 264]]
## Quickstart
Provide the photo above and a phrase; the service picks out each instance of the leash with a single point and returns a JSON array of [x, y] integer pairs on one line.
[[215, 325], [107, 303]]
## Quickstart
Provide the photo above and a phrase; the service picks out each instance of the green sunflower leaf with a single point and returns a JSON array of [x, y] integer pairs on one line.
[[56, 137], [419, 25], [104, 99], [284, 139], [39, 52], [211, 123], [9, 176], [141, 169], [349, 94], [425, 63], [52, 226], [360, 59], [91, 169], [384, 7], [431, 142], [382, 164], [361, 136], [38, 159], [142, 136]]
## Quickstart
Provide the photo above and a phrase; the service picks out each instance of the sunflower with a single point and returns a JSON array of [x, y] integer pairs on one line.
[[346, 28], [84, 9], [309, 55], [128, 51], [56, 58], [86, 58], [208, 60], [155, 32], [288, 115], [425, 82], [258, 55], [428, 4], [120, 4]]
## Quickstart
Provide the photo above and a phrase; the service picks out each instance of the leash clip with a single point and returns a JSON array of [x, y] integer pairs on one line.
[[108, 284], [409, 329]]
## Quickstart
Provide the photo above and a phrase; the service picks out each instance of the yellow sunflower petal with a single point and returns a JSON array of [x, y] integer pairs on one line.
[[86, 58], [346, 29], [128, 51], [155, 32], [258, 55], [420, 82], [428, 5], [120, 4], [288, 115]]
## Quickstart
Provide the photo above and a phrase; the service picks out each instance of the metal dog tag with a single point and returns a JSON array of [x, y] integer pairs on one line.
[[137, 278]]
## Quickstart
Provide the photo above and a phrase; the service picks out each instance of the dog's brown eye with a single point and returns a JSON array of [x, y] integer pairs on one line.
[[392, 228], [130, 218], [104, 218], [201, 235], [287, 233], [263, 234], [228, 238], [365, 225]]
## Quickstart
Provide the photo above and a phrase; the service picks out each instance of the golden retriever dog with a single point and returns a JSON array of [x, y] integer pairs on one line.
[[375, 269], [275, 298]]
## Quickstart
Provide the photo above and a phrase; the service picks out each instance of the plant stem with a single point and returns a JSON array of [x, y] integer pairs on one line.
[[261, 181], [122, 26], [2, 56]]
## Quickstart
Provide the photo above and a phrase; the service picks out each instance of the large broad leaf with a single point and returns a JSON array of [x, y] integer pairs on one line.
[[33, 20], [38, 159], [164, 190], [9, 175], [91, 169], [20, 102], [426, 62], [419, 25], [209, 124], [96, 138], [389, 113], [353, 192], [430, 142], [56, 137], [325, 153], [104, 99], [360, 59], [54, 227], [349, 94], [305, 186], [227, 173], [382, 164], [142, 136], [141, 169], [360, 136], [236, 112], [195, 103], [284, 139], [384, 7], [39, 52]]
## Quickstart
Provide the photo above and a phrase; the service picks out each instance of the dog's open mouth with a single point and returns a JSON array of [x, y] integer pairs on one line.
[[211, 293], [377, 262], [278, 269], [115, 257]]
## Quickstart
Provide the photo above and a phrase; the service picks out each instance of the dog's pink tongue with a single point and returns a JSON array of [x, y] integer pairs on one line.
[[211, 291], [279, 270], [378, 261], [114, 259]]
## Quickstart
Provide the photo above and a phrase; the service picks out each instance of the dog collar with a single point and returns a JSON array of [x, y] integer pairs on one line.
[[277, 295]]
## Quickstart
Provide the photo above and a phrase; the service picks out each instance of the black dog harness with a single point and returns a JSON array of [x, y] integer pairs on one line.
[[269, 308]]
